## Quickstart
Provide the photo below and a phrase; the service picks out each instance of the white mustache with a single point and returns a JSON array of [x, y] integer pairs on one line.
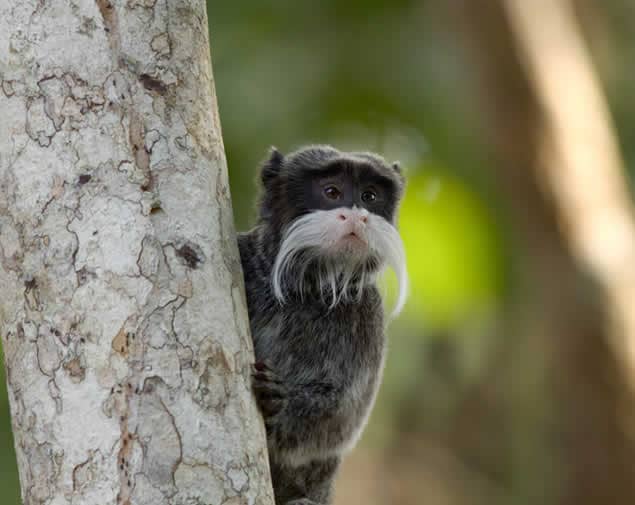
[[341, 277]]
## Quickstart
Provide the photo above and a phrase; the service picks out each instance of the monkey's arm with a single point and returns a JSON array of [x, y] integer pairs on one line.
[[292, 409]]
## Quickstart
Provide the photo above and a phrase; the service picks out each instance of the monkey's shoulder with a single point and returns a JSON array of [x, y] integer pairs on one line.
[[256, 265], [247, 246]]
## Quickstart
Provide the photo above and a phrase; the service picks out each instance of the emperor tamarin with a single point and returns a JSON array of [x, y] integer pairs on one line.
[[326, 230]]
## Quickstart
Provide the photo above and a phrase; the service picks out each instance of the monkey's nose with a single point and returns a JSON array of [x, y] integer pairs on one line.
[[354, 215]]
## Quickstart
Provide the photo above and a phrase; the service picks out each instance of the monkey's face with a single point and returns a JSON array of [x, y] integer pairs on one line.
[[336, 213], [345, 202]]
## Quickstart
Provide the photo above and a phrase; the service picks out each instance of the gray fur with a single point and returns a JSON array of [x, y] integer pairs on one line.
[[318, 367]]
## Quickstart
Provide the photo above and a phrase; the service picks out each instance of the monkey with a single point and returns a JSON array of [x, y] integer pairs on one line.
[[326, 230]]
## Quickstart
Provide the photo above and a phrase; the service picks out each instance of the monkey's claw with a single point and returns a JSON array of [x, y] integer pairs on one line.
[[261, 366], [270, 392]]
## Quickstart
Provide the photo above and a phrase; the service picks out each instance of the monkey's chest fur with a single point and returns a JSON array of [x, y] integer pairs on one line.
[[336, 356], [330, 363]]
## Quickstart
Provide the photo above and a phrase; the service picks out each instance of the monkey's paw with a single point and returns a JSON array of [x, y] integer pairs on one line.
[[270, 392]]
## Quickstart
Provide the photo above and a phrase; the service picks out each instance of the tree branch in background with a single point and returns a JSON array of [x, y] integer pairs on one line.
[[579, 157], [550, 188]]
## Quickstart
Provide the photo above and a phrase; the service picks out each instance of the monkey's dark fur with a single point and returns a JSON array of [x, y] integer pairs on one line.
[[318, 366]]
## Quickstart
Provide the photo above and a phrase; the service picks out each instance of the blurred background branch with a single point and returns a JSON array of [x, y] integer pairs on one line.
[[579, 157], [561, 170]]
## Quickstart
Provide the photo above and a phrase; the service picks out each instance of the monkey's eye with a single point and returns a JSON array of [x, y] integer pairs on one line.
[[369, 196], [332, 192]]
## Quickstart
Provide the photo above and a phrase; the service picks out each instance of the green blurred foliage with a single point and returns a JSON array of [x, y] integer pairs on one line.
[[8, 469], [454, 261]]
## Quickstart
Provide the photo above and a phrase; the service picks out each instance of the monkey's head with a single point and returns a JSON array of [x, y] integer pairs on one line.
[[333, 215]]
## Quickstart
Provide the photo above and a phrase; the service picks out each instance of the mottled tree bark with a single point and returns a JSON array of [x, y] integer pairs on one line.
[[122, 311]]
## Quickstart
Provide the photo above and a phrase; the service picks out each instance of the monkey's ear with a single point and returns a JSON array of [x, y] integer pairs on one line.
[[271, 167], [397, 168]]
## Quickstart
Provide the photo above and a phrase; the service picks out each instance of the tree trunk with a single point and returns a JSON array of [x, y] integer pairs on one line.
[[122, 310]]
